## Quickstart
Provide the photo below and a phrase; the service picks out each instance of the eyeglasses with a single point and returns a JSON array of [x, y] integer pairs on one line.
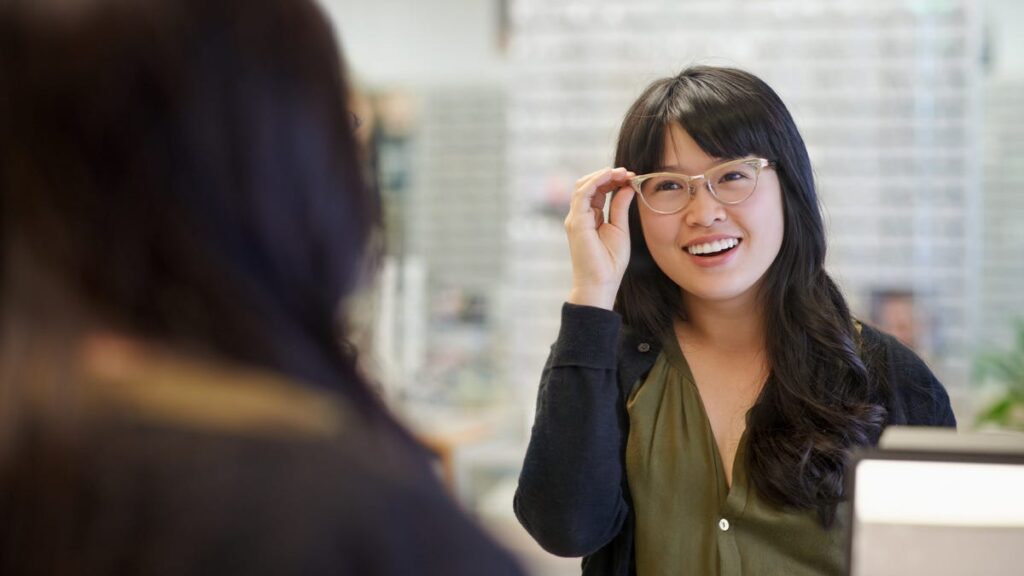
[[730, 183]]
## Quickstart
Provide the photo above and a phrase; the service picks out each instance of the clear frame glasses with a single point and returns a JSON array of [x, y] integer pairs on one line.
[[730, 183]]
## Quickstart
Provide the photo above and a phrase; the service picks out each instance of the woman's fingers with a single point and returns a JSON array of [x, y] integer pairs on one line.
[[599, 249], [586, 191], [618, 213], [591, 192]]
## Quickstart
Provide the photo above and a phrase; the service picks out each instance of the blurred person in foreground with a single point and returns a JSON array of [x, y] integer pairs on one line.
[[182, 213]]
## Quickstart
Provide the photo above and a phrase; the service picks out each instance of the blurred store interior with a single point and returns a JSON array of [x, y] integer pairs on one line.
[[478, 115]]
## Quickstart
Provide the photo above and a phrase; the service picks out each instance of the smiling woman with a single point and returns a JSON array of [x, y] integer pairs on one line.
[[722, 240], [713, 427]]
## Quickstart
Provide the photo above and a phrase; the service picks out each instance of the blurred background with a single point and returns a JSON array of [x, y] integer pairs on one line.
[[478, 115]]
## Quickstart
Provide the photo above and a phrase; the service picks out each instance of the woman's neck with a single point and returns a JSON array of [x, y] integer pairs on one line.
[[736, 325]]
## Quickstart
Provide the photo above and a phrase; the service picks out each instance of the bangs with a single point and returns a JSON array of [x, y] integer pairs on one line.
[[642, 135], [722, 114], [723, 119]]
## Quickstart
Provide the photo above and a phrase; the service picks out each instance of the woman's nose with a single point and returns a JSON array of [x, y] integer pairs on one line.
[[703, 209]]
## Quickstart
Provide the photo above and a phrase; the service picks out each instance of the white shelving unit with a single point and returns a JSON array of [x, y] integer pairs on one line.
[[1003, 214], [886, 95]]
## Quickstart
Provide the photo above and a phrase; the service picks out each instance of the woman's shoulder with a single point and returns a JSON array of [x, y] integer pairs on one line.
[[919, 397], [253, 461], [885, 351], [305, 502]]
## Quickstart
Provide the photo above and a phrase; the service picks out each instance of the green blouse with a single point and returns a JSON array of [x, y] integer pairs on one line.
[[688, 520]]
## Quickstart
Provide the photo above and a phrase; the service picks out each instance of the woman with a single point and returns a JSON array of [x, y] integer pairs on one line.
[[182, 211], [708, 380]]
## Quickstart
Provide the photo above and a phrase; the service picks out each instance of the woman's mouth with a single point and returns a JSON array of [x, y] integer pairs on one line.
[[713, 248]]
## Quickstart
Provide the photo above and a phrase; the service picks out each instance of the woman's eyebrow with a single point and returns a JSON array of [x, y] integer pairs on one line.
[[679, 170], [674, 169]]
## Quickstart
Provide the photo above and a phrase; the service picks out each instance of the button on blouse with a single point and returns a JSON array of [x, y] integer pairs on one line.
[[688, 519]]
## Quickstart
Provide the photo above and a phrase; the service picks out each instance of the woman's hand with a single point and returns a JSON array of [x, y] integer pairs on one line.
[[599, 249]]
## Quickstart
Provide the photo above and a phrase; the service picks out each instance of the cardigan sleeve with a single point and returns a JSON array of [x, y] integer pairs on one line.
[[570, 496], [922, 398]]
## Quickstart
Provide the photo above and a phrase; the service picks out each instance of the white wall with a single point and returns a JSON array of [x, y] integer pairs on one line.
[[1006, 29], [413, 43]]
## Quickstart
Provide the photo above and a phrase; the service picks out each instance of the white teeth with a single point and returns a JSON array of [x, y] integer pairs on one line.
[[712, 247]]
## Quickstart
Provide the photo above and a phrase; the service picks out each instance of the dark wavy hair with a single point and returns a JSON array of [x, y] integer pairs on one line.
[[185, 170], [819, 400]]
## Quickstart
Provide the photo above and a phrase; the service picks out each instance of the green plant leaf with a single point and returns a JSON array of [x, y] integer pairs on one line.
[[998, 413], [1020, 335], [1008, 368]]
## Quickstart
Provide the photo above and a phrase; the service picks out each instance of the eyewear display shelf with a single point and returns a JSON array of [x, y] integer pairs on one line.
[[886, 95]]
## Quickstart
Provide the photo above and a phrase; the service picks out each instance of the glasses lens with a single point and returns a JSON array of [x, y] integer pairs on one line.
[[734, 183], [665, 192]]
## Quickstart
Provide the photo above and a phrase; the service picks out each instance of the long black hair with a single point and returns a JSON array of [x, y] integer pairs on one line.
[[819, 399], [185, 170]]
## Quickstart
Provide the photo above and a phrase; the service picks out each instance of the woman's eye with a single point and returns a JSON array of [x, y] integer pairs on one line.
[[667, 185], [732, 177]]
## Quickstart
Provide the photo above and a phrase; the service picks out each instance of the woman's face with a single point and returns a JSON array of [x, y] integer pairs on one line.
[[755, 226]]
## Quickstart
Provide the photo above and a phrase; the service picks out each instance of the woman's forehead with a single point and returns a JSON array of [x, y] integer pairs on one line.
[[681, 153]]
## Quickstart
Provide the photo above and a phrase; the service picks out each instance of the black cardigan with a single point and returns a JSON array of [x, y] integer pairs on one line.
[[573, 497]]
